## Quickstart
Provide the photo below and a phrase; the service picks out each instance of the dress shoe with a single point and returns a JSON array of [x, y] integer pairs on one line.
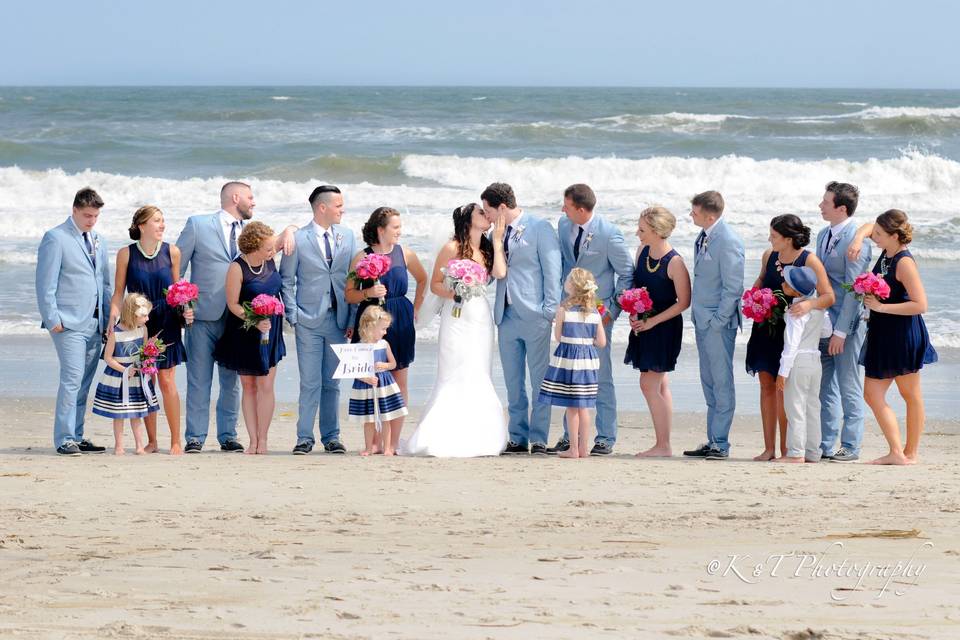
[[601, 449], [302, 449], [562, 445], [514, 448], [231, 446], [86, 446], [716, 453], [537, 449], [193, 447], [844, 455], [334, 446], [69, 449], [699, 452]]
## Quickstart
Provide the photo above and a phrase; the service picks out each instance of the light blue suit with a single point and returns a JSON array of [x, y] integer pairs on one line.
[[306, 296], [841, 387], [533, 285], [604, 254], [204, 250], [715, 307], [70, 291]]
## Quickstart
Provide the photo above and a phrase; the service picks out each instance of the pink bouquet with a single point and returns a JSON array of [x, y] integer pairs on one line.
[[148, 354], [868, 284], [764, 305], [636, 302], [467, 279], [263, 307], [182, 295], [369, 270]]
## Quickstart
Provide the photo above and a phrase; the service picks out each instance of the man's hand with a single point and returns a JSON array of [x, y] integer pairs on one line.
[[800, 309], [781, 383], [59, 328], [288, 242], [835, 347]]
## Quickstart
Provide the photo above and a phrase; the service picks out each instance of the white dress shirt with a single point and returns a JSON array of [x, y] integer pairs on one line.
[[319, 230], [226, 223]]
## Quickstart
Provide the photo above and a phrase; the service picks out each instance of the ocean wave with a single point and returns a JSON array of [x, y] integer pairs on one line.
[[281, 98]]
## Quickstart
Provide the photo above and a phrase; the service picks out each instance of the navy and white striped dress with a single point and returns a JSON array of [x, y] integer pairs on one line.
[[108, 400], [571, 379], [387, 393]]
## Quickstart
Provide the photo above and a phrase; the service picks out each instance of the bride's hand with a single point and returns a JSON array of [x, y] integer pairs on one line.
[[499, 228]]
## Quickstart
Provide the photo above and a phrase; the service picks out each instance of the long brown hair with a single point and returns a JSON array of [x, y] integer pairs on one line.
[[462, 221]]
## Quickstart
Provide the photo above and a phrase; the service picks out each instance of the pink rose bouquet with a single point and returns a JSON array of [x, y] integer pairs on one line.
[[148, 354], [868, 284], [263, 307], [182, 295], [636, 302], [467, 279], [370, 268], [764, 305]]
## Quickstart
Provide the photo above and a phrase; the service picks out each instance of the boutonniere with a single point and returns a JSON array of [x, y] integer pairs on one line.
[[587, 240], [518, 232], [338, 239], [96, 244]]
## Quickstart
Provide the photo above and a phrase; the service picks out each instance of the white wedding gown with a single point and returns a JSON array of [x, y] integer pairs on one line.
[[463, 417]]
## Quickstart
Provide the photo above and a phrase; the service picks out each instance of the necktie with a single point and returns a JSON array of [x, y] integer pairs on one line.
[[90, 251], [826, 247], [233, 239], [576, 244], [326, 246], [700, 239], [506, 242]]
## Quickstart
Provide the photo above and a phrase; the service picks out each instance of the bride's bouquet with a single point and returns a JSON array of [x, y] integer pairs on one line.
[[466, 279]]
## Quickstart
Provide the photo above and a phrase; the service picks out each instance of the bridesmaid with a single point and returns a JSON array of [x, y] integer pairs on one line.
[[251, 274], [654, 343], [148, 266], [897, 344], [788, 236], [381, 232]]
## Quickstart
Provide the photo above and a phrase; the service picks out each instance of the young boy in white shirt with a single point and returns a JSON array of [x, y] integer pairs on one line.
[[800, 368]]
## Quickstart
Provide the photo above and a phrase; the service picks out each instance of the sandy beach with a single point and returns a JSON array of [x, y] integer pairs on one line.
[[227, 546]]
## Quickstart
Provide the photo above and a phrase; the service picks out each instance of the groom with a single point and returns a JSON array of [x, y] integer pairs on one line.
[[590, 242], [526, 302]]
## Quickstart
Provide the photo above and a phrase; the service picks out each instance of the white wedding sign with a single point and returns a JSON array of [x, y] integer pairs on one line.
[[356, 360]]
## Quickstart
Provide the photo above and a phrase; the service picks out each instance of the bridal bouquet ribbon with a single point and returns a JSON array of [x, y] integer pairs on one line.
[[764, 306], [466, 279], [149, 353], [263, 307], [868, 284], [182, 295], [636, 302], [370, 268]]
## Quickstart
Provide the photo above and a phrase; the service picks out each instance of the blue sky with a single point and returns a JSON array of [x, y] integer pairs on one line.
[[490, 42]]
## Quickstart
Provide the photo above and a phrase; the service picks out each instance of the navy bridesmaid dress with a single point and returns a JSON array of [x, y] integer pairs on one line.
[[656, 349], [401, 336], [895, 345], [149, 277], [240, 349], [765, 347]]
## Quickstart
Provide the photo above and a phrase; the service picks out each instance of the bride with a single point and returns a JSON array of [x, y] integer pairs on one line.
[[463, 417]]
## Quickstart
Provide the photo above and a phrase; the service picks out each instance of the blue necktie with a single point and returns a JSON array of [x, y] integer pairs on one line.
[[700, 239], [506, 258], [576, 244], [326, 245], [90, 251], [233, 239]]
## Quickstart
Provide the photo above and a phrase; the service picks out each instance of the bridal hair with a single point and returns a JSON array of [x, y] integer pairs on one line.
[[87, 197], [377, 220], [253, 236], [709, 202], [462, 222], [844, 195], [791, 226], [499, 193], [583, 289], [132, 302], [142, 216], [372, 316], [895, 223], [660, 220]]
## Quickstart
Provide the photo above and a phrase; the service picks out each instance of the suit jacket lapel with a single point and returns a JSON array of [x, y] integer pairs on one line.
[[83, 246], [219, 231]]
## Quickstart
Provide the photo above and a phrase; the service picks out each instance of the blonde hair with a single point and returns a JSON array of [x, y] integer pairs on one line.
[[131, 304], [660, 220], [372, 316], [252, 236], [584, 289]]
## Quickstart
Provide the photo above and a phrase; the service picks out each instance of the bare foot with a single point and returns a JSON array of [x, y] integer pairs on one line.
[[656, 452], [766, 456], [119, 451], [569, 453], [892, 458], [262, 450], [366, 453], [790, 459], [914, 459], [141, 452], [150, 448], [251, 451], [176, 449], [389, 452]]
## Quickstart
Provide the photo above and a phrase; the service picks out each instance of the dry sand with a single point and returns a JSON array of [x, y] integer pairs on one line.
[[227, 546]]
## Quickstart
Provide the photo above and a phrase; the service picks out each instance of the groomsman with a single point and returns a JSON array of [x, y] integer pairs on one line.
[[73, 294], [717, 288], [208, 244], [314, 279], [589, 241], [526, 302], [841, 387]]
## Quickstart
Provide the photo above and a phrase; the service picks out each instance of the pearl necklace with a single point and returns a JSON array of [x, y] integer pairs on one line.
[[250, 266], [144, 253]]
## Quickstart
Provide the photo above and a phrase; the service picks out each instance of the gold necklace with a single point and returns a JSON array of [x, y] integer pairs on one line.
[[653, 269]]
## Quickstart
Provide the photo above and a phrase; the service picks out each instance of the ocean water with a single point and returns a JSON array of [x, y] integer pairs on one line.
[[425, 151]]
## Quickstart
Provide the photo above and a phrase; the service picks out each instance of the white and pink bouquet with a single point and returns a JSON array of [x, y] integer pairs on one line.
[[467, 279], [868, 284], [148, 354], [370, 268], [263, 307], [764, 306], [182, 295], [636, 302]]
